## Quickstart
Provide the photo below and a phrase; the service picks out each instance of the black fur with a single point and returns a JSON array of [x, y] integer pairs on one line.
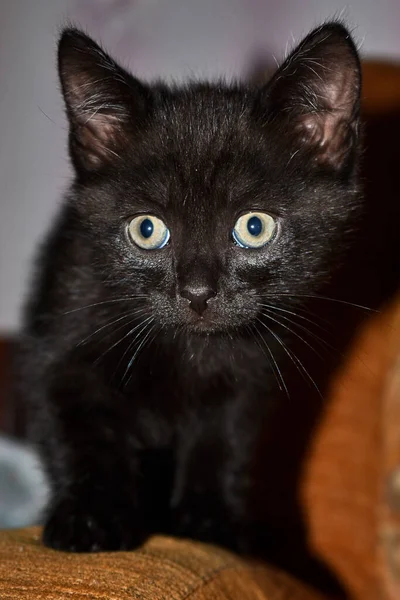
[[152, 417]]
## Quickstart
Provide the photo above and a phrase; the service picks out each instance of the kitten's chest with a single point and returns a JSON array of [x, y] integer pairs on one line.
[[170, 379]]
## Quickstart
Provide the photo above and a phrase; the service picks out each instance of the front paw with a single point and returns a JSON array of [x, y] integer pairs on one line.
[[74, 526], [203, 520]]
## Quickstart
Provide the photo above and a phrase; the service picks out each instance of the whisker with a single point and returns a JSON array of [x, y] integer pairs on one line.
[[113, 322], [296, 361], [294, 314], [294, 333], [261, 347], [318, 297], [121, 340], [307, 311], [308, 331], [140, 346], [123, 299], [143, 325], [274, 365], [335, 350]]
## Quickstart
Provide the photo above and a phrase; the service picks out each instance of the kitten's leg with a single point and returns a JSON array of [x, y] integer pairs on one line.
[[210, 500], [93, 478]]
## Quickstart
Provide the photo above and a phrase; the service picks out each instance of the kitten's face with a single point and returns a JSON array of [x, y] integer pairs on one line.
[[212, 201]]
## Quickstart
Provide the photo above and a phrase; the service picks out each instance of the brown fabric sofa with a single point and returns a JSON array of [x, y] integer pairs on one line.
[[163, 569], [350, 486]]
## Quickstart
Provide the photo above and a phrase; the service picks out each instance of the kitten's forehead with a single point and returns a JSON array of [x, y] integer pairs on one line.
[[207, 142], [206, 154], [204, 118]]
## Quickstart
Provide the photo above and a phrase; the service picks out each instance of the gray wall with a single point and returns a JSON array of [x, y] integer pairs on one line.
[[170, 38]]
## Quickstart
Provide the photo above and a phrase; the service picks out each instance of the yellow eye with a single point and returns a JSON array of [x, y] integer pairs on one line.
[[254, 230], [148, 232]]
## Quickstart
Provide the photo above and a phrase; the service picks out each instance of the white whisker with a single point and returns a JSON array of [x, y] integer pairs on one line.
[[294, 314], [274, 365], [296, 361], [122, 299], [268, 315], [121, 340], [113, 322], [316, 296], [323, 342], [140, 346]]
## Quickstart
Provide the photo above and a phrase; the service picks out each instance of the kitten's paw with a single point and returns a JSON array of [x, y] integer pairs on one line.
[[208, 523], [74, 528]]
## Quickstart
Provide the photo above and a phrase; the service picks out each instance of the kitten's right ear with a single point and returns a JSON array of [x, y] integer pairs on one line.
[[104, 103], [315, 96]]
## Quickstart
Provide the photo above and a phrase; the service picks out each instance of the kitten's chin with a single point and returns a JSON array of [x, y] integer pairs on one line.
[[211, 322], [205, 328], [210, 327]]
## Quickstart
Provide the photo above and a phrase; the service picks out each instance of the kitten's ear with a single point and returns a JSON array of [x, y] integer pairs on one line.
[[104, 103], [317, 92]]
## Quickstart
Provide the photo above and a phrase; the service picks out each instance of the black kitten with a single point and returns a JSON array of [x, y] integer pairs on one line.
[[167, 354]]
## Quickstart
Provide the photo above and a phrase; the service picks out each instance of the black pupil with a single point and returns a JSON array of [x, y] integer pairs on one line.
[[254, 226], [146, 228]]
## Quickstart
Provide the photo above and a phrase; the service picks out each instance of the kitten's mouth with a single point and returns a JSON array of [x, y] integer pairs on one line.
[[206, 323], [202, 325], [224, 318]]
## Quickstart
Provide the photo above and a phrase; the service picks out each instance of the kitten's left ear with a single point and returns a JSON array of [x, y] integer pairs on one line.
[[317, 92], [104, 103]]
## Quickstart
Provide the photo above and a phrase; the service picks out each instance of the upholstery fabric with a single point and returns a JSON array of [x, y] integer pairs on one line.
[[163, 569], [351, 484]]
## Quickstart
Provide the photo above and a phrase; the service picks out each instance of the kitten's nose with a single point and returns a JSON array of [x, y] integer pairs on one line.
[[198, 297]]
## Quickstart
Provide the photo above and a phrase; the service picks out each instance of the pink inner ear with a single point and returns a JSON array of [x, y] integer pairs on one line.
[[328, 134], [98, 135]]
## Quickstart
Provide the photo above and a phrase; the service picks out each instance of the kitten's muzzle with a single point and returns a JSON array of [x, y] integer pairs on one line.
[[198, 298]]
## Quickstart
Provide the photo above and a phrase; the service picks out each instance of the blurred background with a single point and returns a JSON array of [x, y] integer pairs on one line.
[[156, 38]]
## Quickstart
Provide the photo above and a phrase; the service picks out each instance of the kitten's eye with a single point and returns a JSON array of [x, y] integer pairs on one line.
[[148, 232], [254, 230]]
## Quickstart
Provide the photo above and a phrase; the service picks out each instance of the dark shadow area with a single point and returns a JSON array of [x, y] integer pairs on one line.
[[381, 176]]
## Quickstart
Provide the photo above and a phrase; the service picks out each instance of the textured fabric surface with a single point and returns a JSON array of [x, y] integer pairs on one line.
[[351, 484], [162, 569]]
